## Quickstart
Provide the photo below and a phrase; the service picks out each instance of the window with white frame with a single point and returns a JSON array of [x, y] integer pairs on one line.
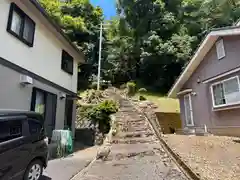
[[188, 110], [220, 49], [226, 92]]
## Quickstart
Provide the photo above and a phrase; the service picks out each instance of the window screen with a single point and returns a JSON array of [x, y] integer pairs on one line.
[[226, 92]]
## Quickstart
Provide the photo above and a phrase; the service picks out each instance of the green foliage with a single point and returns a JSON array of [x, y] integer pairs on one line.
[[142, 90], [149, 40], [83, 109], [131, 88], [80, 20], [92, 96], [164, 35], [100, 114], [142, 98], [93, 85], [119, 62]]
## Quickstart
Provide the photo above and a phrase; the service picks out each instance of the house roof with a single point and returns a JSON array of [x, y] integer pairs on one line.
[[199, 55], [56, 26]]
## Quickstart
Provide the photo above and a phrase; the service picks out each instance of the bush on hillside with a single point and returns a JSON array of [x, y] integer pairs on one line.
[[93, 85], [100, 114], [92, 96], [131, 88]]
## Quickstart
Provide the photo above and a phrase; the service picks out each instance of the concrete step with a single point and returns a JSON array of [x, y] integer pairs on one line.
[[134, 140], [135, 134], [134, 129]]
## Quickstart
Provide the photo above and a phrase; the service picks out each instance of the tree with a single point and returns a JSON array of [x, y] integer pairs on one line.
[[163, 44], [119, 62], [80, 21], [168, 31], [149, 41]]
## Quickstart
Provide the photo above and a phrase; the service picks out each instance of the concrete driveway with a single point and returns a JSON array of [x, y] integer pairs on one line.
[[66, 168]]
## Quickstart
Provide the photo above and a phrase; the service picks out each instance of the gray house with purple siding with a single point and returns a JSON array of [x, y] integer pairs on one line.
[[209, 88]]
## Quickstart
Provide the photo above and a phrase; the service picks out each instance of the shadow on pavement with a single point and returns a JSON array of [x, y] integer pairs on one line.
[[78, 146], [45, 178], [236, 140]]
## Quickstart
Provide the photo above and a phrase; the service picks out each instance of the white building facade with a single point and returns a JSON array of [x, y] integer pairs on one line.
[[38, 64]]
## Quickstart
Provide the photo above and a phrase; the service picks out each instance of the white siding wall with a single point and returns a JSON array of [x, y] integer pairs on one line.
[[44, 58]]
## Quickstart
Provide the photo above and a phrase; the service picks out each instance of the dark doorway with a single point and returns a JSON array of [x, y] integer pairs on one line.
[[50, 116], [68, 113], [45, 103]]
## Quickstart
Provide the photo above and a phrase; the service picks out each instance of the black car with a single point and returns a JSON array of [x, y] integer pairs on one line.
[[23, 147]]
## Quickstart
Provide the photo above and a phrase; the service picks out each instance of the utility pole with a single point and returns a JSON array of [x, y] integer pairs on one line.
[[99, 57]]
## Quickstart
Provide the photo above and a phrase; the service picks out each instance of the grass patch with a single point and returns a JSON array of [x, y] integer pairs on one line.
[[164, 104]]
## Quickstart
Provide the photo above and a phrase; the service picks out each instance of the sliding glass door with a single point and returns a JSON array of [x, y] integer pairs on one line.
[[45, 103]]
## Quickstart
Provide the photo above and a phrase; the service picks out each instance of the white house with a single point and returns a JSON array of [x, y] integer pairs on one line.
[[38, 64]]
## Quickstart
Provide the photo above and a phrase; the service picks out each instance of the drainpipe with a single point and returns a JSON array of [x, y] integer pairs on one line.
[[205, 128]]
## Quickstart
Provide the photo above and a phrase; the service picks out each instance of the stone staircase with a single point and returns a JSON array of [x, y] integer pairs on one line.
[[132, 126], [133, 152]]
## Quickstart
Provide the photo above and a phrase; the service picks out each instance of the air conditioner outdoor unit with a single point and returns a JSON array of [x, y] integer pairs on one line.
[[24, 79]]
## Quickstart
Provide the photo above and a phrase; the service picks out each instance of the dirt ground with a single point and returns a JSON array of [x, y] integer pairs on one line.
[[211, 157]]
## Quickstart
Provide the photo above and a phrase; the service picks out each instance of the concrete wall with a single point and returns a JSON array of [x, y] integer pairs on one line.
[[15, 96], [44, 58], [168, 122], [203, 112]]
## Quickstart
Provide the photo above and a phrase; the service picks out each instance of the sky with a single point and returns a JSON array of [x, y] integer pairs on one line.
[[108, 7]]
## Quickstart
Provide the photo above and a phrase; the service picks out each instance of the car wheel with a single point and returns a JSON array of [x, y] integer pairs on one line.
[[34, 170]]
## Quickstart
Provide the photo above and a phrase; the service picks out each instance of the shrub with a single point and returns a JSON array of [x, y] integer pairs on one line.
[[93, 85], [92, 96], [142, 98], [142, 90], [131, 88], [100, 114]]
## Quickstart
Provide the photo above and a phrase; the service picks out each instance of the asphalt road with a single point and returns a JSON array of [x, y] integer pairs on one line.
[[66, 168], [63, 169]]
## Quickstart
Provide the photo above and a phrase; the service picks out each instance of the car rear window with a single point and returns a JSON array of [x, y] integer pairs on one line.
[[10, 130]]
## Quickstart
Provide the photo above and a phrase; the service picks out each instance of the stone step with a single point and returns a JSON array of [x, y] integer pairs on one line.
[[131, 122], [135, 134], [134, 140], [120, 122], [134, 129]]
